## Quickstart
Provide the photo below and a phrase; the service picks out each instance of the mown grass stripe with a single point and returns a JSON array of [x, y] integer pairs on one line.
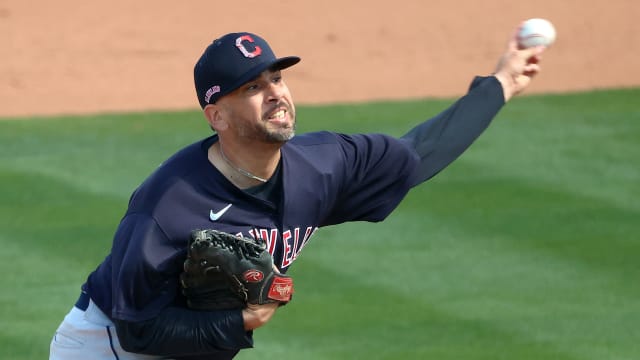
[[524, 248]]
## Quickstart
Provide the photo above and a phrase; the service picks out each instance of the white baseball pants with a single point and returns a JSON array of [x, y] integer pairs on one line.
[[89, 334]]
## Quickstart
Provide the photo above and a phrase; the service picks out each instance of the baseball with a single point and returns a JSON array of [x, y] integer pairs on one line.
[[536, 32]]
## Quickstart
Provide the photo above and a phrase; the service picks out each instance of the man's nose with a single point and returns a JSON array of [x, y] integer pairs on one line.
[[274, 92]]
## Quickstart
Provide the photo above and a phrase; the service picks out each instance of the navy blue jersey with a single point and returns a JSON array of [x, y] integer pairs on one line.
[[323, 178], [327, 179]]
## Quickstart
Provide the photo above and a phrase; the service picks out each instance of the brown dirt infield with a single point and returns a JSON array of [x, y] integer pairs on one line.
[[72, 56]]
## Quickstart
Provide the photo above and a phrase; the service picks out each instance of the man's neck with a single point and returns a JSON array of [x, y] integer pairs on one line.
[[243, 168]]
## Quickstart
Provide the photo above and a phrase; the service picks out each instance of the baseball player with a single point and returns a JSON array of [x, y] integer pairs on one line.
[[254, 177]]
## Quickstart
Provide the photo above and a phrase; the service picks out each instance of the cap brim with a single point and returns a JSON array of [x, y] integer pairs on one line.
[[285, 62], [277, 64]]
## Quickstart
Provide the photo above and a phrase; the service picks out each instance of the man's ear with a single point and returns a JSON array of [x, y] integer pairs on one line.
[[215, 118]]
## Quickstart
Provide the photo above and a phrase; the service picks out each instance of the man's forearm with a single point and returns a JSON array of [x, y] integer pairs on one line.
[[255, 316]]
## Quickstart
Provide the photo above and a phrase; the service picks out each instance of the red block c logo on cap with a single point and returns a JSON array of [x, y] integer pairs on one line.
[[250, 54]]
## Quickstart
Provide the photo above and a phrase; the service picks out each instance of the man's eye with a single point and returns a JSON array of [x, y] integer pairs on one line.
[[277, 79], [252, 87]]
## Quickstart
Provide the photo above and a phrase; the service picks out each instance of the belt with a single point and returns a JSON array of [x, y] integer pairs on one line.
[[83, 301]]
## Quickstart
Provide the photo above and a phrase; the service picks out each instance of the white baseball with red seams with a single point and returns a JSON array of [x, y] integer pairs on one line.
[[536, 32]]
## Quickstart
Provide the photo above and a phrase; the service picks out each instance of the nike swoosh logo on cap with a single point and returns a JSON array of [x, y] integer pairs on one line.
[[213, 216]]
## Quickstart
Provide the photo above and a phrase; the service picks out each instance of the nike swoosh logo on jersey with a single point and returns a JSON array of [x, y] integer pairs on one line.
[[213, 216]]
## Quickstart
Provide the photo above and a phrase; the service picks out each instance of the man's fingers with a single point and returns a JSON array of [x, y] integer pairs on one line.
[[534, 52], [531, 70], [513, 44], [513, 41]]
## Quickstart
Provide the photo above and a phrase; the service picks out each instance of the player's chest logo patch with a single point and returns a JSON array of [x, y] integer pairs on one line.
[[214, 216]]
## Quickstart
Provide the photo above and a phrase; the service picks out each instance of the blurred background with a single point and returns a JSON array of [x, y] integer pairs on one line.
[[524, 248], [73, 56]]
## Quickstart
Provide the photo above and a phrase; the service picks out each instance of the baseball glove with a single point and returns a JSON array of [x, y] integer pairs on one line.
[[224, 271]]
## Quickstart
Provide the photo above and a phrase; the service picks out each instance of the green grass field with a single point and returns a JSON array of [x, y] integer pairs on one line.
[[527, 247]]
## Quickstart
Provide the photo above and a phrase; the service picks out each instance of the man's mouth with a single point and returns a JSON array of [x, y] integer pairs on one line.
[[278, 115]]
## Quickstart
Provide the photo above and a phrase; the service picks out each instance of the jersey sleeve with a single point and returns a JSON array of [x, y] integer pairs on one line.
[[380, 170], [186, 334], [443, 138], [144, 265], [377, 172], [145, 283]]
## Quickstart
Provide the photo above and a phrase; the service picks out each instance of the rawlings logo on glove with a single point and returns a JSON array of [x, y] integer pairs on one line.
[[281, 289], [224, 271]]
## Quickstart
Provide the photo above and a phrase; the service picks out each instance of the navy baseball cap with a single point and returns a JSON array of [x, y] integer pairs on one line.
[[231, 61]]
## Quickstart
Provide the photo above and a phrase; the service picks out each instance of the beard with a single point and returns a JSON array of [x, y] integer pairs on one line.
[[280, 135], [270, 133], [267, 132]]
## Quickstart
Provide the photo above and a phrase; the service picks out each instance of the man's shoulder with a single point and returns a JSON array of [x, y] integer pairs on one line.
[[314, 138], [175, 173], [315, 151]]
